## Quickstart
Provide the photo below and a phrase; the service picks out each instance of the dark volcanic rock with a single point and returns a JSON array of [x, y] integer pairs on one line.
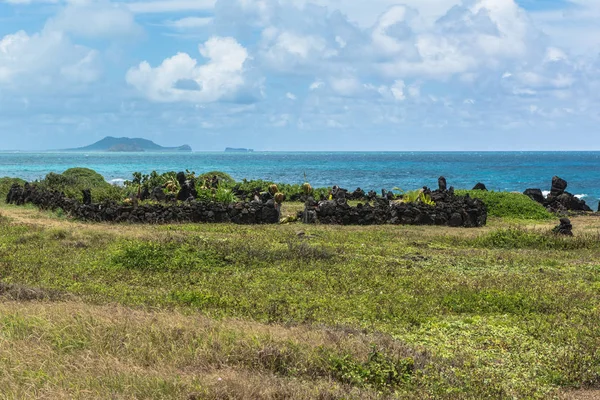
[[564, 228], [192, 211], [87, 197], [358, 194], [449, 210], [480, 186], [187, 191], [535, 195], [442, 185], [558, 186], [157, 194], [181, 178], [561, 201]]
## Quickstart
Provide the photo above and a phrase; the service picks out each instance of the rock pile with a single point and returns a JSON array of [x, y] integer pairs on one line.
[[564, 228], [559, 200], [449, 210], [254, 212]]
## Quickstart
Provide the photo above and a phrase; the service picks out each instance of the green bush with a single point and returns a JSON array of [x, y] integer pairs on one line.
[[509, 205], [85, 176], [73, 181], [379, 371], [223, 177], [6, 183], [293, 192]]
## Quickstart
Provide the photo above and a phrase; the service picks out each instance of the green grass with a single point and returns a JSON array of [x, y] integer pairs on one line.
[[501, 312], [509, 205]]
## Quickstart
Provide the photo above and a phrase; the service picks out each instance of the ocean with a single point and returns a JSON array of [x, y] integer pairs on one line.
[[500, 171]]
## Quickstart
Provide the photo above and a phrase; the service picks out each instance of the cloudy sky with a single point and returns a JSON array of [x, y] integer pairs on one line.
[[302, 74]]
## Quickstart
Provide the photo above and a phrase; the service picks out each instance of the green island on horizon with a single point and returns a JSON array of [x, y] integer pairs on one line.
[[125, 144]]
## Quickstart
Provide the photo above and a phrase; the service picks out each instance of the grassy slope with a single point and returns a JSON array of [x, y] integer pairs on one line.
[[496, 312]]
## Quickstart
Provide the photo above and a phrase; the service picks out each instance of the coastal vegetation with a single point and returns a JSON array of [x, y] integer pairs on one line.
[[217, 311], [499, 204], [214, 311]]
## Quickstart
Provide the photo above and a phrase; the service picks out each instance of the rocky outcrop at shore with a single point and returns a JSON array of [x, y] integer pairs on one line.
[[559, 200]]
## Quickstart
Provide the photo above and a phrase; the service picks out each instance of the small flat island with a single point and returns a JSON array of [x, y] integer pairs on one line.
[[124, 144], [238, 150]]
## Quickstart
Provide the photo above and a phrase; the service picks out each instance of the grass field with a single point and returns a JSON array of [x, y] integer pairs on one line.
[[96, 311]]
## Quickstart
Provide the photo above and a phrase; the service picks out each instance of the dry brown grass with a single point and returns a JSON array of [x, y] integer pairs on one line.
[[70, 350]]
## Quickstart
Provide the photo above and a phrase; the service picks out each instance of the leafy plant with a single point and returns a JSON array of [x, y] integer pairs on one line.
[[223, 195], [416, 196], [379, 371]]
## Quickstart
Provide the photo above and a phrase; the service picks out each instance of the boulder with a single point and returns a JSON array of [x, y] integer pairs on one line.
[[187, 191], [558, 186], [535, 195], [442, 185], [480, 186], [358, 194], [87, 197], [181, 178], [564, 228], [158, 194]]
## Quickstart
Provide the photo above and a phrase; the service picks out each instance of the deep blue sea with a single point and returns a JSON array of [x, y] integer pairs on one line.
[[506, 171]]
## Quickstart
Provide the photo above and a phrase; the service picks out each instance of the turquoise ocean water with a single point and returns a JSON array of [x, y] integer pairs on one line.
[[507, 171]]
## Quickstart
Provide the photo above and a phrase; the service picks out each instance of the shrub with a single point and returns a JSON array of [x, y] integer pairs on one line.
[[380, 371], [223, 177], [509, 205], [6, 183], [85, 176], [74, 180]]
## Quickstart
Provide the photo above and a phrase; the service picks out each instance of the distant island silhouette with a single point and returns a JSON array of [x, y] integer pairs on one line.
[[124, 144], [238, 150]]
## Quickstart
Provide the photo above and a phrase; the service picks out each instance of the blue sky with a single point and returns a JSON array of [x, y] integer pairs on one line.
[[302, 74]]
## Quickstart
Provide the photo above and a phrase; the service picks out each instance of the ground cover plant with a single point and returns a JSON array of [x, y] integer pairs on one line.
[[222, 311], [509, 205]]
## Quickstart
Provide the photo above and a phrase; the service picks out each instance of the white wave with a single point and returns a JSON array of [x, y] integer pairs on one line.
[[579, 196], [118, 181]]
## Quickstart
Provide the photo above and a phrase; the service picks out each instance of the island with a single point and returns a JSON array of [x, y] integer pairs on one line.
[[124, 144], [238, 150]]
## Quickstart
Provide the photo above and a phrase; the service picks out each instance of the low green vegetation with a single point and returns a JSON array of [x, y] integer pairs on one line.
[[73, 181], [223, 311], [505, 205], [5, 184], [509, 205]]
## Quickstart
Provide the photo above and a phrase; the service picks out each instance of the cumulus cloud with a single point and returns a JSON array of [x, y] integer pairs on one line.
[[43, 59], [95, 19], [182, 78], [52, 57]]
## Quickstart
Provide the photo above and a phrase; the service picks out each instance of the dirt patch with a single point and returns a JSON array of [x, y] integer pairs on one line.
[[583, 395], [23, 293]]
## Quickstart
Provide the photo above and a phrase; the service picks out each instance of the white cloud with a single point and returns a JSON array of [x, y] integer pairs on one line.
[[398, 90], [45, 59], [180, 78], [165, 6], [98, 19], [190, 23]]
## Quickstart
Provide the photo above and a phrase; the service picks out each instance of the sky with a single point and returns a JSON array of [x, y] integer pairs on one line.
[[302, 75]]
